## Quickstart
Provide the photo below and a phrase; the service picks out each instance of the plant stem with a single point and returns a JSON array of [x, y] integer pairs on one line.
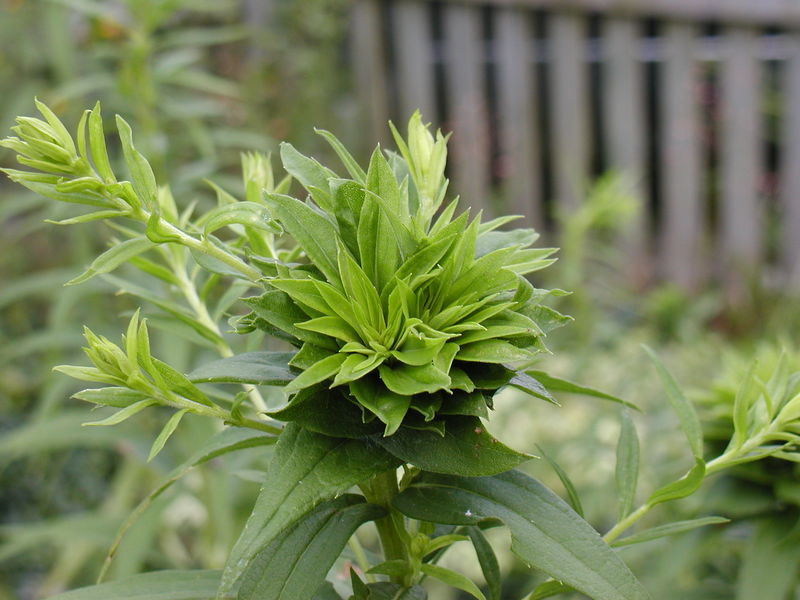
[[381, 490], [625, 523]]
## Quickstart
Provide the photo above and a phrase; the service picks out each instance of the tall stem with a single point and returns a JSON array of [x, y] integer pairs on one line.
[[381, 490]]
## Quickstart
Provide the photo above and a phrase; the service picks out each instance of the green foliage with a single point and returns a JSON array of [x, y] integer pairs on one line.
[[407, 318]]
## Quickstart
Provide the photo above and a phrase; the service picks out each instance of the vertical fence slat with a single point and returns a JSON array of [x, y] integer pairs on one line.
[[516, 93], [790, 173], [415, 50], [466, 104], [570, 109], [370, 68], [680, 167], [624, 96], [740, 219]]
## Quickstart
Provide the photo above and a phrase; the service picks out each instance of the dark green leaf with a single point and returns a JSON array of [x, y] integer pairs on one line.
[[572, 493], [770, 562], [279, 311], [465, 449], [314, 408], [488, 562], [307, 469], [557, 384], [294, 565], [546, 532], [453, 579], [263, 368]]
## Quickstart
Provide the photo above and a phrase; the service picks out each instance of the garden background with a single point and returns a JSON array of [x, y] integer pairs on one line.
[[655, 142]]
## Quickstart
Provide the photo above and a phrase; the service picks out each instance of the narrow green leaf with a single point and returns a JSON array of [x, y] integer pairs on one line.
[[168, 429], [523, 381], [548, 589], [114, 257], [558, 384], [294, 565], [493, 351], [97, 146], [350, 163], [681, 488], [572, 493], [125, 413], [307, 469], [746, 395], [144, 181], [687, 415], [63, 136], [465, 449], [627, 469], [451, 578], [306, 170], [546, 533], [118, 397], [248, 214], [488, 562], [263, 368], [668, 529]]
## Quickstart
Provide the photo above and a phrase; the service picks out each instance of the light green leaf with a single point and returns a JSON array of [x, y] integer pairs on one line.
[[158, 585], [166, 432], [144, 181], [546, 533], [118, 397], [408, 380], [263, 368], [278, 311], [294, 565], [307, 469], [451, 578], [97, 146], [465, 449], [746, 396], [389, 407], [125, 413], [668, 529], [248, 214], [315, 234], [687, 415], [324, 369], [350, 163], [493, 351], [627, 469], [306, 170], [681, 488], [114, 257]]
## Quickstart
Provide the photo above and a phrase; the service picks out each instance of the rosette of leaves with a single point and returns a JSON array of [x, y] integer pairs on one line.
[[407, 318]]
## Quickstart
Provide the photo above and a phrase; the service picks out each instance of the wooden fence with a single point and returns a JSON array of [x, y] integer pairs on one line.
[[698, 100]]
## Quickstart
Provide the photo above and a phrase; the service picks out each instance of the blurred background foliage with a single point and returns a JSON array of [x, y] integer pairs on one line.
[[199, 87]]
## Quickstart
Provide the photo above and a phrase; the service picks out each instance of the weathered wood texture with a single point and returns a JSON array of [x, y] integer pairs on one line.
[[682, 214], [681, 114], [466, 102]]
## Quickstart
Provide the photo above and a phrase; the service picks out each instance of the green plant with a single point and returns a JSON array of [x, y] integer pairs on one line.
[[406, 319]]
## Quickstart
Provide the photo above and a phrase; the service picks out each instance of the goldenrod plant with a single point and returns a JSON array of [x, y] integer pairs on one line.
[[402, 316]]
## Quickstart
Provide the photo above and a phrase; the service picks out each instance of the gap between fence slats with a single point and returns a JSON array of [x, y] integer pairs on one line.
[[517, 108], [369, 62], [682, 214], [740, 219], [790, 167], [624, 93], [414, 59], [466, 105], [569, 88]]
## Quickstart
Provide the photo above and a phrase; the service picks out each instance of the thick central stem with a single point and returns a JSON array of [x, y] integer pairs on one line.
[[381, 490]]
